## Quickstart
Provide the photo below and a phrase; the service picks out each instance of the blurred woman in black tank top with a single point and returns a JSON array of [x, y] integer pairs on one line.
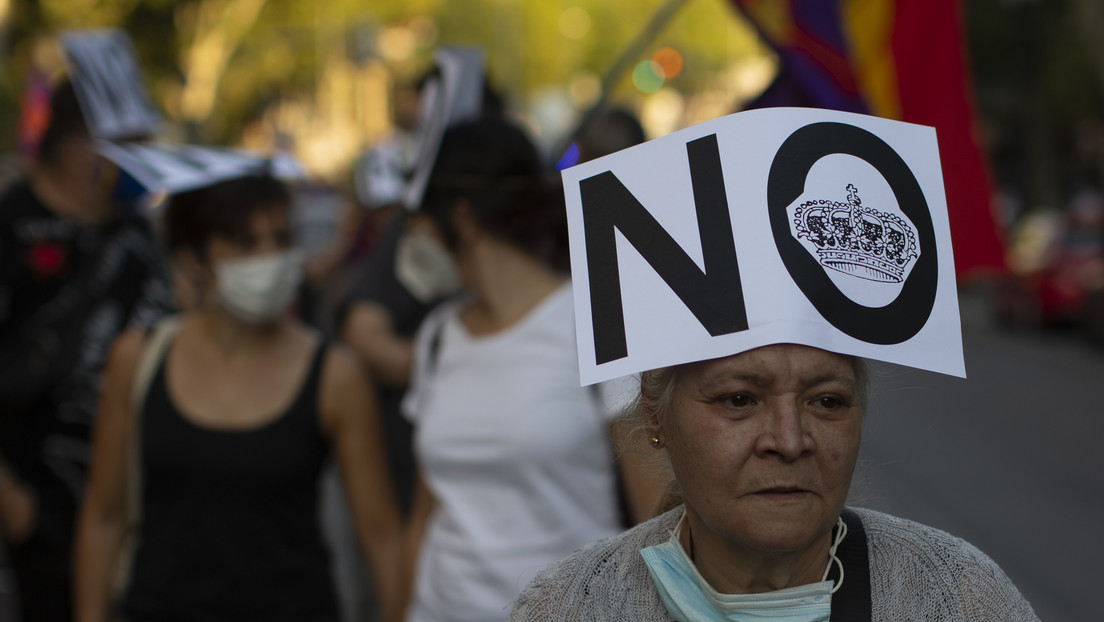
[[242, 411]]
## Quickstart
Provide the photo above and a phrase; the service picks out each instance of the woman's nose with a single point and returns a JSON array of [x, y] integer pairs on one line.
[[784, 433]]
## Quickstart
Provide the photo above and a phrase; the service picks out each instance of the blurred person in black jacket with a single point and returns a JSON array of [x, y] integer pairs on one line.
[[76, 268]]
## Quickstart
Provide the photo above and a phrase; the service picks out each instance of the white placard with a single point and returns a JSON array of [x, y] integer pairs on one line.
[[109, 86], [378, 176], [173, 169], [454, 93], [780, 225]]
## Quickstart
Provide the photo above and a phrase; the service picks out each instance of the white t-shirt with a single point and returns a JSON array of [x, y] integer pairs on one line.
[[516, 454]]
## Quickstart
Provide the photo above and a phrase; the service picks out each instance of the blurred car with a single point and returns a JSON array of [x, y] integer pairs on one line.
[[1056, 261]]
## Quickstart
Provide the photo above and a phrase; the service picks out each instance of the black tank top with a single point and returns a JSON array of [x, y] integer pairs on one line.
[[229, 518]]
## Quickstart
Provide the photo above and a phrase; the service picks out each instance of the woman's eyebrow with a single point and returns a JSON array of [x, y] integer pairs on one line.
[[830, 377], [720, 378]]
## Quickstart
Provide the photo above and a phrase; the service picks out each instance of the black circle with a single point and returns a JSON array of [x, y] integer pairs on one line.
[[897, 321]]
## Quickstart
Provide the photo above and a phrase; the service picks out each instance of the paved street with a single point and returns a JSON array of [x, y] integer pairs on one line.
[[1010, 459]]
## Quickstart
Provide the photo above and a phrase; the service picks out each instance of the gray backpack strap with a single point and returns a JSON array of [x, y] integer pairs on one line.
[[153, 350]]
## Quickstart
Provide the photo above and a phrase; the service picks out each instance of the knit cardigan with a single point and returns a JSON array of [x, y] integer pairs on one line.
[[916, 573]]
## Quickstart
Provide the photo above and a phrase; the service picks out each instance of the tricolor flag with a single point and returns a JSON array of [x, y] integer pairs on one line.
[[897, 59]]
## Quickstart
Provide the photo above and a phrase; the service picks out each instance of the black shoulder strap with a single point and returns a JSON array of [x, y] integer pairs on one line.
[[852, 602], [434, 351], [313, 384], [624, 512]]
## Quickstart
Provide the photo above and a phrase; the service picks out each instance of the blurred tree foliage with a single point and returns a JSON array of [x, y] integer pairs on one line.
[[1039, 72], [214, 64]]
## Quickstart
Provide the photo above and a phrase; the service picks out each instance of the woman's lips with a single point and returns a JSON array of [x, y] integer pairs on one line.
[[783, 493]]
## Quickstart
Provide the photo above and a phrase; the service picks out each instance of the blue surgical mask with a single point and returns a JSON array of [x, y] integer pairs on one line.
[[689, 598]]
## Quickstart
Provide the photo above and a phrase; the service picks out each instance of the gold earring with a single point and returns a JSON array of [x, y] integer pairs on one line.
[[655, 442]]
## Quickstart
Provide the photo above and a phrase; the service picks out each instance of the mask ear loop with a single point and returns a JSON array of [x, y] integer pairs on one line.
[[841, 533]]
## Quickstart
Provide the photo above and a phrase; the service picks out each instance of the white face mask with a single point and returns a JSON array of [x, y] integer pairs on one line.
[[424, 267], [259, 289]]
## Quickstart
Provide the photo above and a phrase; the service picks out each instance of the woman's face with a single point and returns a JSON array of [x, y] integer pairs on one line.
[[194, 278], [442, 269], [763, 445], [83, 169]]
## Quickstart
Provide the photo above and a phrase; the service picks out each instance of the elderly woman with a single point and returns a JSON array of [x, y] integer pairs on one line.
[[762, 445]]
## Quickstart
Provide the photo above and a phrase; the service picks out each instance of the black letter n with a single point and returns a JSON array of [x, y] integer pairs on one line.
[[714, 296]]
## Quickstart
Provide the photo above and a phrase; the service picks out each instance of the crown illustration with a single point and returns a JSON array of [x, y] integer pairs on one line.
[[857, 240]]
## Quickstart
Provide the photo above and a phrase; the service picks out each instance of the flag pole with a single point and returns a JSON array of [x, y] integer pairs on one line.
[[627, 58]]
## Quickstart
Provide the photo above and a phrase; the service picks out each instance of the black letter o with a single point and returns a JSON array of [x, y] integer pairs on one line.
[[901, 319]]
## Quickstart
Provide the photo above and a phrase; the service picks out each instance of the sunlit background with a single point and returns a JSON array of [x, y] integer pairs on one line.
[[324, 80], [316, 77]]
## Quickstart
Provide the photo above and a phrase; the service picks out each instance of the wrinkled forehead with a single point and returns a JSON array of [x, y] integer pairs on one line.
[[776, 364]]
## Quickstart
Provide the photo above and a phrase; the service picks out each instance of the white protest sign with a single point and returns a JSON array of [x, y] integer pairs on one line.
[[378, 175], [780, 225], [104, 71], [452, 94], [173, 169]]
